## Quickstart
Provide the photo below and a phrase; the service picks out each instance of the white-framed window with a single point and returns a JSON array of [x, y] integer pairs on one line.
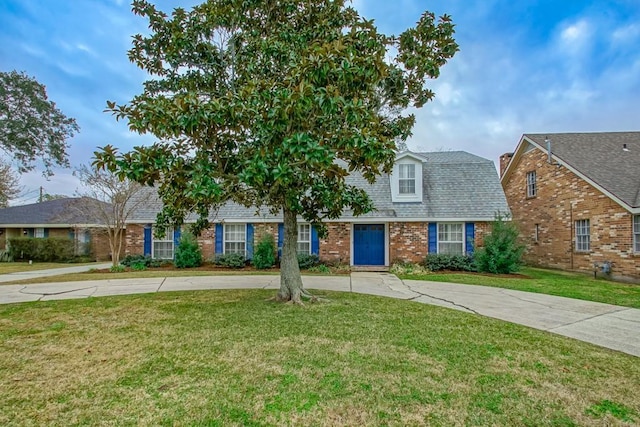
[[304, 238], [235, 239], [407, 179], [636, 233], [532, 191], [163, 248], [451, 239], [583, 236], [38, 233]]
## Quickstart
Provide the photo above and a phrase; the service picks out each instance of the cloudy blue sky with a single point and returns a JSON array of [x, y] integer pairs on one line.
[[524, 66]]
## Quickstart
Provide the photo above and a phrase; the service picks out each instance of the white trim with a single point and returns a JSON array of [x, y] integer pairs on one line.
[[394, 180], [635, 237], [56, 226], [349, 220], [169, 236], [464, 236], [224, 238]]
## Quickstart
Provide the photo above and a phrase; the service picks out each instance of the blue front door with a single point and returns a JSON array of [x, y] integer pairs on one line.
[[368, 244]]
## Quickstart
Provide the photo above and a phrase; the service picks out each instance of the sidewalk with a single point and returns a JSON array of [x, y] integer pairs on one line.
[[606, 325], [21, 275]]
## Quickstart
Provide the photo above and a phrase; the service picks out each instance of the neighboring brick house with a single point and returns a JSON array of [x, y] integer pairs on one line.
[[56, 218], [576, 198], [431, 202]]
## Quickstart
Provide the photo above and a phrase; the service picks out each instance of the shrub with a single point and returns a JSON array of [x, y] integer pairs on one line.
[[306, 261], [188, 253], [230, 260], [320, 268], [4, 256], [42, 250], [501, 253], [148, 262], [265, 253], [139, 266], [438, 262], [407, 268], [117, 269]]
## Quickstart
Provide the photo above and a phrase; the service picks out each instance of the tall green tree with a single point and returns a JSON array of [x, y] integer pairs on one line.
[[31, 126], [9, 184], [273, 103]]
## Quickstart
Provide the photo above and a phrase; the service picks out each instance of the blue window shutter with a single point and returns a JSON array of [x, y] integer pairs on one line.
[[72, 235], [470, 237], [249, 242], [147, 240], [280, 239], [46, 233], [30, 232], [219, 237], [176, 239], [433, 238], [315, 242]]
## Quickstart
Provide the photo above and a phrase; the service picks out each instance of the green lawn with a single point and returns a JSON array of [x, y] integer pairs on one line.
[[18, 267], [234, 358], [552, 282]]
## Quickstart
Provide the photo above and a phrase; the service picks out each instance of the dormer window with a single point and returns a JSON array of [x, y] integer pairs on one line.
[[407, 179]]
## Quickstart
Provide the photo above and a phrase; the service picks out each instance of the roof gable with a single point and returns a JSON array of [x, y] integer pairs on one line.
[[58, 212], [599, 158]]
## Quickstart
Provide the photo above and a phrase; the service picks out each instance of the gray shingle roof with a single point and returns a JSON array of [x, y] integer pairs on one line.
[[456, 185], [601, 158], [59, 212]]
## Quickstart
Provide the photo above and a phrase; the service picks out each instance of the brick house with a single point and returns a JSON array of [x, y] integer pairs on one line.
[[576, 198], [431, 203], [59, 218]]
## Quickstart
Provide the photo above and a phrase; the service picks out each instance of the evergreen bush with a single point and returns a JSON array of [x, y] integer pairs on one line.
[[188, 253], [49, 249], [439, 262], [265, 253], [230, 260], [501, 254], [306, 261]]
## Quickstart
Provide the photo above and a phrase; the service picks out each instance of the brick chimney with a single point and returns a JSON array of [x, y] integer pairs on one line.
[[504, 162]]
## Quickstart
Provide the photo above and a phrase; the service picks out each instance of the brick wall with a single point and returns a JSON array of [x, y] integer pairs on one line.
[[336, 247], [562, 198], [100, 248], [408, 241], [134, 239]]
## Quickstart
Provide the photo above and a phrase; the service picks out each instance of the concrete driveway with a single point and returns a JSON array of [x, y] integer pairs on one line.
[[606, 325]]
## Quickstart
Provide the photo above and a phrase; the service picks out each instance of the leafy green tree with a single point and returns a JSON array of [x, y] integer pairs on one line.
[[188, 253], [273, 103], [9, 184], [501, 254], [31, 126]]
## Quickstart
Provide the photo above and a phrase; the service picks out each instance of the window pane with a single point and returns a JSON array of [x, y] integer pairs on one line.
[[304, 247], [39, 232], [407, 186], [163, 250], [234, 248], [583, 239], [450, 248]]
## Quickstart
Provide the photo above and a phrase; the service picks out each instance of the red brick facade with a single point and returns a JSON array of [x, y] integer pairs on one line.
[[547, 220], [407, 241]]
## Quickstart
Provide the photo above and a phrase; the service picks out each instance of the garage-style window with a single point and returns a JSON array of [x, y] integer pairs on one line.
[[235, 238], [583, 236], [163, 247], [451, 239]]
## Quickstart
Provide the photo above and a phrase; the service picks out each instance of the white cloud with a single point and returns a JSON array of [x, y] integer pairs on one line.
[[576, 37]]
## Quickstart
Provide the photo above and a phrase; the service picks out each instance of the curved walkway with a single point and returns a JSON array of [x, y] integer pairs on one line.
[[606, 325]]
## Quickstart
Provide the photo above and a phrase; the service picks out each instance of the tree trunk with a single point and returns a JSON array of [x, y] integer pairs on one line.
[[290, 280]]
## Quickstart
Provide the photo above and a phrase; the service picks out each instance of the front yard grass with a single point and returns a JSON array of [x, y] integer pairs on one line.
[[19, 267], [234, 358], [551, 282]]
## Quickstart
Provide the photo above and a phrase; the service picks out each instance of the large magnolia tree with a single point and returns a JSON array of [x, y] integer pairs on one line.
[[255, 101]]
